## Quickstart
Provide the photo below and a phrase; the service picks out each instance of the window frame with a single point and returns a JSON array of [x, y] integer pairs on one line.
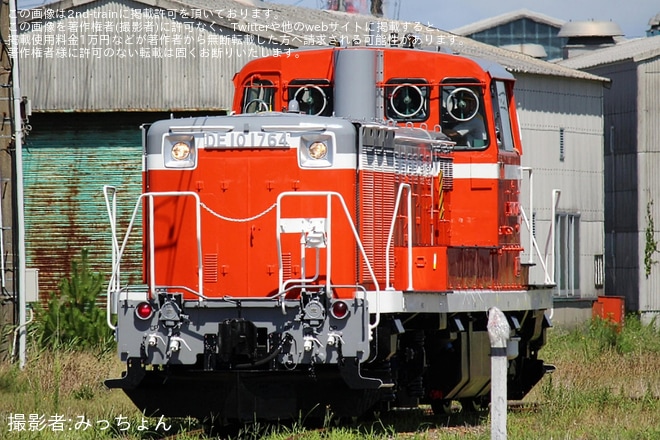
[[567, 254], [323, 84], [447, 122], [265, 89], [421, 84]]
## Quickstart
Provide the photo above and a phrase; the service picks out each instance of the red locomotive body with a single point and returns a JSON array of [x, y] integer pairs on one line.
[[418, 88], [337, 244]]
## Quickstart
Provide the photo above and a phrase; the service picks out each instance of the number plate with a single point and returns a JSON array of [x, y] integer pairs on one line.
[[246, 140]]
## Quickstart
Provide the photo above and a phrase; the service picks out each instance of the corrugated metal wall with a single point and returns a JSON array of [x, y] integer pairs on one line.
[[142, 62], [632, 182], [68, 159], [648, 75], [548, 106], [622, 226]]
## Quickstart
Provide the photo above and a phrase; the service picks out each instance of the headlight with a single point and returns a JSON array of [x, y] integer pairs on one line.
[[318, 150], [180, 151]]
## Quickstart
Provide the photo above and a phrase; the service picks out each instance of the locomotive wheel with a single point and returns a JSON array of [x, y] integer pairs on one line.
[[220, 428], [442, 407], [474, 405]]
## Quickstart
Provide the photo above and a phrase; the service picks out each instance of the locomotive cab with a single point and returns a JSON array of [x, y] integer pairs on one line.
[[470, 101]]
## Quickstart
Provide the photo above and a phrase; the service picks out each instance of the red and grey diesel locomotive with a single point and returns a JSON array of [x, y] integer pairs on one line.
[[336, 245]]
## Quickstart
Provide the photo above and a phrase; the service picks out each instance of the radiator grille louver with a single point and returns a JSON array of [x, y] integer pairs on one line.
[[378, 199], [210, 268], [447, 168], [385, 162], [287, 265]]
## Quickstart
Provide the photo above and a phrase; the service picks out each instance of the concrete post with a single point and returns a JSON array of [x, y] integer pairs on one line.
[[7, 295], [498, 333]]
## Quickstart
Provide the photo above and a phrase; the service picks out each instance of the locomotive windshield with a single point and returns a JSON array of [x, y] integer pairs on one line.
[[314, 96], [258, 96], [463, 114], [407, 100]]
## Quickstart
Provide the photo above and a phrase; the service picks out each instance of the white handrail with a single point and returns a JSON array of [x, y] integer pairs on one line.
[[390, 237], [119, 251], [110, 195], [535, 246], [532, 239], [556, 194], [549, 277], [329, 195]]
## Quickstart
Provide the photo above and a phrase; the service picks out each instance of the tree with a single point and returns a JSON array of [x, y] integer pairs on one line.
[[73, 316]]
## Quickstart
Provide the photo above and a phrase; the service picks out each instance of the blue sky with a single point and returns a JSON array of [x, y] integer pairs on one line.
[[632, 16]]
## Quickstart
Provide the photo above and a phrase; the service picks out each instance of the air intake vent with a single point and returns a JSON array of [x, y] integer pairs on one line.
[[211, 268]]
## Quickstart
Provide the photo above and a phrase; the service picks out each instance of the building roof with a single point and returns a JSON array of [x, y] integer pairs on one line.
[[531, 49], [451, 41], [638, 49], [275, 25], [498, 20], [590, 28]]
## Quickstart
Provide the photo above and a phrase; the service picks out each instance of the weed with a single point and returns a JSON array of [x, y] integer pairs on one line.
[[85, 392], [651, 246], [606, 386], [72, 317], [11, 380]]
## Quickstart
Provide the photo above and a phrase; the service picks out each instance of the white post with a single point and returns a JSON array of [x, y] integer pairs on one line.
[[498, 333], [19, 275]]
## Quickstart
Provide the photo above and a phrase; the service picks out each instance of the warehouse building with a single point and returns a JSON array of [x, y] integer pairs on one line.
[[632, 135]]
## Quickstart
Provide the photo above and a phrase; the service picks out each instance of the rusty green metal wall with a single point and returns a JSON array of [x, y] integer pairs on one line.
[[68, 159]]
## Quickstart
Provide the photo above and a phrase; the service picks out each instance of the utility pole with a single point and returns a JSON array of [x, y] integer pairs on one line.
[[7, 270], [18, 228]]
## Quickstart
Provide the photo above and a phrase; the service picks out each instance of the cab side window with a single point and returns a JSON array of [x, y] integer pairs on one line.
[[502, 119]]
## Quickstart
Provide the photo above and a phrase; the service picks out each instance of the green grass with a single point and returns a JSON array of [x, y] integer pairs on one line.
[[607, 386]]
